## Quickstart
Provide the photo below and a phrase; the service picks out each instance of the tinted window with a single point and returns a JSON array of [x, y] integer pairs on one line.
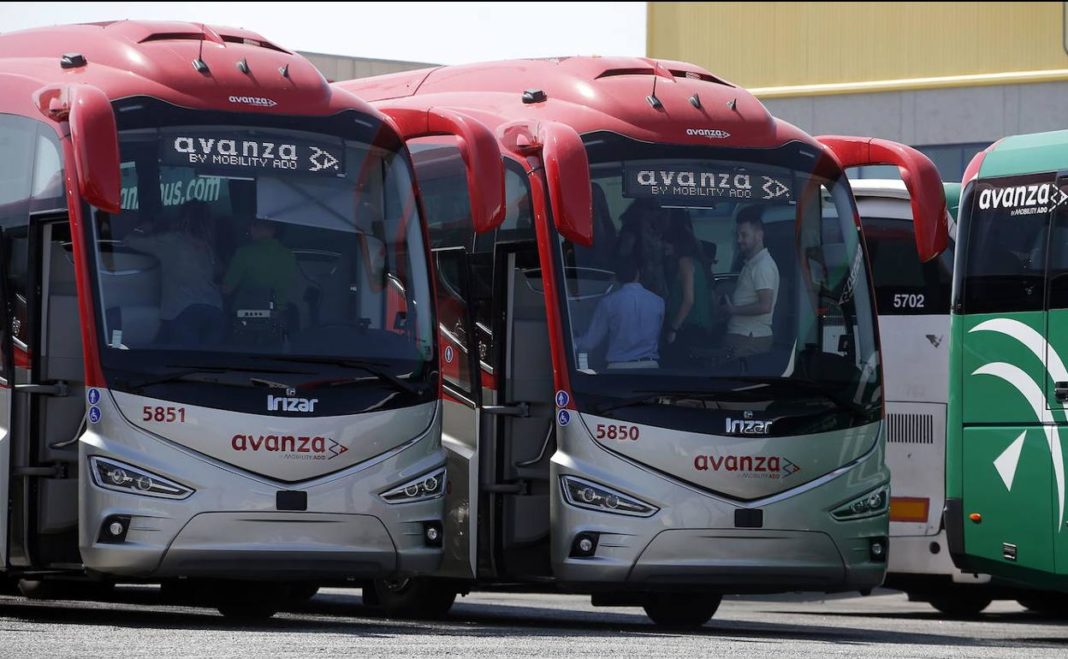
[[1058, 253], [1005, 222], [17, 137], [903, 285]]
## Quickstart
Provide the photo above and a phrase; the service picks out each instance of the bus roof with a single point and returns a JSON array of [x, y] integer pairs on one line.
[[1027, 154], [895, 188], [593, 94], [244, 71]]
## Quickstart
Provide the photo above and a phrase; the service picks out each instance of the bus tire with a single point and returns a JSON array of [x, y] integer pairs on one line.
[[681, 610], [249, 611], [245, 600], [1047, 604], [302, 592], [424, 599], [36, 589], [960, 604]]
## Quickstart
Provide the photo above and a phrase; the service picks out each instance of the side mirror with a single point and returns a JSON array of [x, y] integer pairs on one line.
[[567, 169], [478, 148], [96, 147], [921, 177]]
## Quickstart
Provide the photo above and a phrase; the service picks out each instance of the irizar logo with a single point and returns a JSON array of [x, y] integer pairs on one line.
[[1008, 461], [258, 101], [290, 404], [710, 133], [748, 427]]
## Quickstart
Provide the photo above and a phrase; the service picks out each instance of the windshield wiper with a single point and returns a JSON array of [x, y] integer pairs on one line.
[[191, 375], [655, 397], [376, 369], [802, 383]]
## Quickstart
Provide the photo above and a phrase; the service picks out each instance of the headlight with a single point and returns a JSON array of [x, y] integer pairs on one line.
[[868, 505], [584, 494], [121, 477], [427, 486]]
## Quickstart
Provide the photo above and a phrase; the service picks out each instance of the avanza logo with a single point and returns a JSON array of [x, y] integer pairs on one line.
[[750, 466], [312, 448], [711, 133], [290, 404], [258, 101]]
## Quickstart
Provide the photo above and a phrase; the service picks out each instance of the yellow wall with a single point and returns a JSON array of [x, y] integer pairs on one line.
[[779, 44]]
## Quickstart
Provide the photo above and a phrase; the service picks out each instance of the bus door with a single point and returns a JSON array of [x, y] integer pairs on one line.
[[1057, 366], [6, 384], [521, 426], [49, 409], [1008, 488], [460, 368]]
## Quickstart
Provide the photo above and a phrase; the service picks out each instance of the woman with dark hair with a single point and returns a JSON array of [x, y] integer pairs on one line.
[[689, 313]]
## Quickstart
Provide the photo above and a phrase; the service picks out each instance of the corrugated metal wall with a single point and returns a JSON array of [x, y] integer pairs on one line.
[[772, 44]]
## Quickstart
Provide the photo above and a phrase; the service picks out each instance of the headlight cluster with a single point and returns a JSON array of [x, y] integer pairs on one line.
[[871, 504], [427, 486], [121, 477], [584, 494]]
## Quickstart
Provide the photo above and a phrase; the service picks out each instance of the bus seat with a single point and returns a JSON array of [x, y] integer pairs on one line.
[[131, 281]]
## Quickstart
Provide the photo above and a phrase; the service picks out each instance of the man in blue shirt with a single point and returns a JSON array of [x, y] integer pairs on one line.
[[630, 318]]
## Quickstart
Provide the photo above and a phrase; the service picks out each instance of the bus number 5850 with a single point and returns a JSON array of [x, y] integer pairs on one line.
[[611, 431]]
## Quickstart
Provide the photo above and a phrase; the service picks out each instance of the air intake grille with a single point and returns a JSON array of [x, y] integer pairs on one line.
[[910, 428]]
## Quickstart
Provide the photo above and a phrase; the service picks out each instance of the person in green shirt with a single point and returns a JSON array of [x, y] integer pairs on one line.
[[263, 271]]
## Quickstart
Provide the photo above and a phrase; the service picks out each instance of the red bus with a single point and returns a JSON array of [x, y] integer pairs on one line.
[[222, 357], [662, 376]]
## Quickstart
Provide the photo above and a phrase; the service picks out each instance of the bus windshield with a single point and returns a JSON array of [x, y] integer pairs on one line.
[[715, 271], [298, 239]]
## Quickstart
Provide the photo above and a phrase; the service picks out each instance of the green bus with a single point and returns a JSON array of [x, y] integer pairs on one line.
[[1008, 393]]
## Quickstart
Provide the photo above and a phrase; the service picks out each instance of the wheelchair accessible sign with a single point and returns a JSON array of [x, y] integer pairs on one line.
[[562, 399], [93, 396]]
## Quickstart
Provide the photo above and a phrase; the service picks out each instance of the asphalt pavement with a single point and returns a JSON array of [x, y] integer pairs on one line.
[[335, 623]]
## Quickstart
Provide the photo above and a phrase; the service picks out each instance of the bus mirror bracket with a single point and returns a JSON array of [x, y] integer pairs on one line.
[[567, 170], [478, 148], [921, 178], [96, 143]]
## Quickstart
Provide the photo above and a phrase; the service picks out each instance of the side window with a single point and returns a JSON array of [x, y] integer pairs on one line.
[[1058, 253], [1005, 239], [454, 321], [21, 149], [17, 144], [47, 192], [442, 181], [903, 285]]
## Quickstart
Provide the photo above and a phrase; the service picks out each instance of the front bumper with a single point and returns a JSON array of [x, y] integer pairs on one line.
[[693, 543], [231, 526]]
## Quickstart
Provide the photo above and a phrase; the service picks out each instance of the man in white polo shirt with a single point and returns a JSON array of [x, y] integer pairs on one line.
[[753, 304]]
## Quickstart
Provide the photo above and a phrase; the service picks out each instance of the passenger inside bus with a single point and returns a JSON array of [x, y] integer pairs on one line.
[[689, 320], [190, 303], [751, 308], [630, 318], [641, 237], [261, 278]]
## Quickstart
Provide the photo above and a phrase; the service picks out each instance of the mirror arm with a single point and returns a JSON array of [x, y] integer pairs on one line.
[[479, 148], [926, 194]]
